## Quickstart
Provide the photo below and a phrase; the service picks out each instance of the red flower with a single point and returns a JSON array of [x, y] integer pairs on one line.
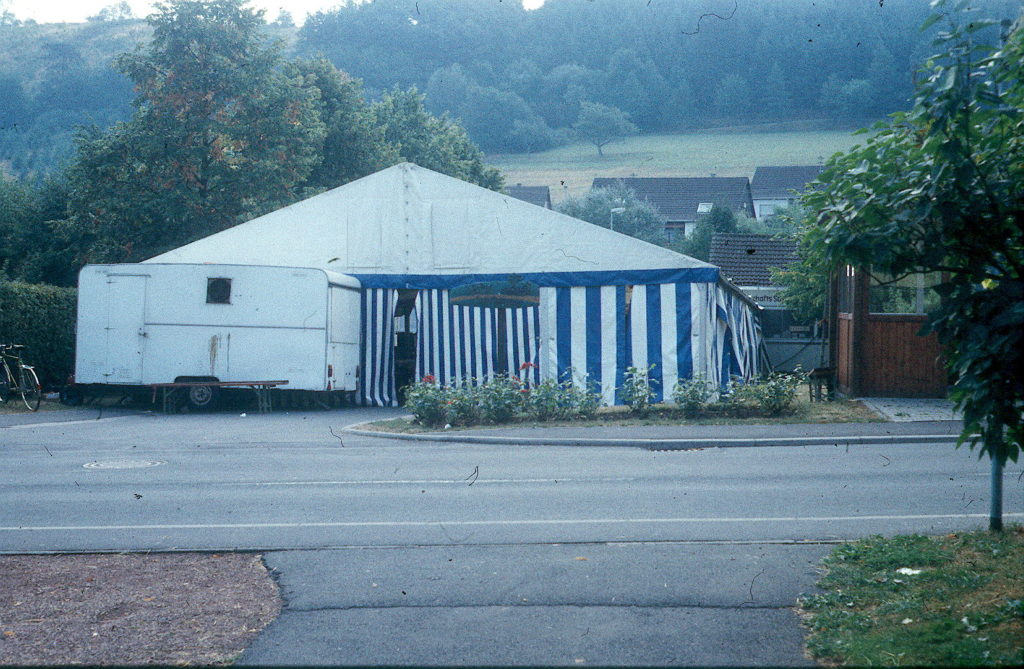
[[526, 365], [429, 378]]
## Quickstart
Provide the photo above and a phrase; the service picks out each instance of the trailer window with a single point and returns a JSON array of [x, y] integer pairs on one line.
[[218, 291]]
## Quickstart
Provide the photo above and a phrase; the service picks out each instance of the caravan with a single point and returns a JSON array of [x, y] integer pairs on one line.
[[148, 324]]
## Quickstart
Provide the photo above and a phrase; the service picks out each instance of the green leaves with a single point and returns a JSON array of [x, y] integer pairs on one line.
[[941, 188]]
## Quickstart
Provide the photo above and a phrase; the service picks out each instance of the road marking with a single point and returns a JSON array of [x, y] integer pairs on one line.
[[475, 523], [619, 479], [64, 423]]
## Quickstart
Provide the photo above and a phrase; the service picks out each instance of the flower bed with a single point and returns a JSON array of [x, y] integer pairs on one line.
[[505, 399]]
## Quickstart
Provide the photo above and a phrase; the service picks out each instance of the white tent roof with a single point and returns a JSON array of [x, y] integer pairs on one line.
[[408, 220]]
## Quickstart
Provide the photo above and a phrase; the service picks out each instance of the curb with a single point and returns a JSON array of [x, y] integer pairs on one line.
[[659, 444]]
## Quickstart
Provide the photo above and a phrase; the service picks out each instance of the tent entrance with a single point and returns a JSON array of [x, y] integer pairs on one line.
[[405, 341]]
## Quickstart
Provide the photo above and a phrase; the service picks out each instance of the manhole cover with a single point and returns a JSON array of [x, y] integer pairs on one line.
[[124, 464]]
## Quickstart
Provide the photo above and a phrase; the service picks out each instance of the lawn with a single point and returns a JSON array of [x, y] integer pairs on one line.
[[569, 170], [954, 600]]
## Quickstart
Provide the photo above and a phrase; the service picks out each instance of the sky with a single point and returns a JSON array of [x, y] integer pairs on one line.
[[74, 11]]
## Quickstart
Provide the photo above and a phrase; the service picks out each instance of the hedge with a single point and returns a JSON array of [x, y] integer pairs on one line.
[[41, 317]]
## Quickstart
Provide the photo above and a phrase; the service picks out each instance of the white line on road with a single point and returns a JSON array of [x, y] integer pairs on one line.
[[65, 423], [463, 481], [470, 523]]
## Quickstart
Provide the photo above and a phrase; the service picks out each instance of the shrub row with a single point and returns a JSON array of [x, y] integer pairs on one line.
[[42, 318], [773, 395], [505, 398], [498, 401]]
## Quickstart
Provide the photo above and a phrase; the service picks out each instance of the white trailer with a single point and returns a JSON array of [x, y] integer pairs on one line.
[[150, 323]]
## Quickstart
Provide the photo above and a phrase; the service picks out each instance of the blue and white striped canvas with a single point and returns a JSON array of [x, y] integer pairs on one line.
[[593, 333], [461, 343], [677, 330], [376, 348]]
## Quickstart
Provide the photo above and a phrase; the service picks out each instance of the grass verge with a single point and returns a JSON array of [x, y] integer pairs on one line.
[[954, 600], [839, 411]]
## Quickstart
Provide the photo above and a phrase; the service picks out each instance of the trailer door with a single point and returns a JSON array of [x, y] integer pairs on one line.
[[125, 333]]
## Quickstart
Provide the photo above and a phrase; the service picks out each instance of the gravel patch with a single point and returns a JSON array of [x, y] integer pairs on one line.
[[131, 609]]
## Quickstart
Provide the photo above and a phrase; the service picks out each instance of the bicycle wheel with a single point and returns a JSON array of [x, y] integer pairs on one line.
[[5, 385], [29, 388]]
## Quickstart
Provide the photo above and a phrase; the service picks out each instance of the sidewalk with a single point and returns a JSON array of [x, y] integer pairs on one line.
[[912, 421]]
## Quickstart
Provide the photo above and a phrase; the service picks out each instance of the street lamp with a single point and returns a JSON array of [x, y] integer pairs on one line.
[[611, 216]]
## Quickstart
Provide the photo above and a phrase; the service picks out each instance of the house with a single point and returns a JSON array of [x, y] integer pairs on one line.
[[538, 195], [747, 260], [411, 237], [774, 187], [681, 201]]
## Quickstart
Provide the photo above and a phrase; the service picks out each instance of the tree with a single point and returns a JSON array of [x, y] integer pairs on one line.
[[435, 142], [805, 281], [221, 131], [600, 124], [354, 145], [620, 209], [941, 189], [732, 97], [697, 245], [776, 101], [120, 11], [847, 100]]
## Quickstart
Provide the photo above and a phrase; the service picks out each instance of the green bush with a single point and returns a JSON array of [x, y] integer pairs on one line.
[[548, 400], [692, 396], [502, 399], [426, 401], [553, 400], [776, 394], [637, 390], [462, 404], [773, 395], [41, 317]]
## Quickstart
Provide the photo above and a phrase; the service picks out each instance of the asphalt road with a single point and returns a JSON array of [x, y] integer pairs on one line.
[[424, 553]]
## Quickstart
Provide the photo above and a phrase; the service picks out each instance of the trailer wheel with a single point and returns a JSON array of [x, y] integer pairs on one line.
[[202, 398]]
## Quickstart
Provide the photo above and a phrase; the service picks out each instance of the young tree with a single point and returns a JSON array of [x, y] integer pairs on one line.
[[697, 245], [941, 189], [600, 124], [620, 209]]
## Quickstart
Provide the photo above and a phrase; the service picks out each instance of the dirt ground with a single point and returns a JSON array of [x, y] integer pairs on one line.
[[131, 609]]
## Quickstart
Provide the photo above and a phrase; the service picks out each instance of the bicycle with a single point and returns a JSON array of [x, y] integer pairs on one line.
[[18, 378]]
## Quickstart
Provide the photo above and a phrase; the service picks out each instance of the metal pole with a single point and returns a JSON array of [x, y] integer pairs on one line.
[[995, 514]]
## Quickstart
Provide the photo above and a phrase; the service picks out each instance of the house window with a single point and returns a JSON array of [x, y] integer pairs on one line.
[[675, 231], [705, 207], [218, 291], [767, 210], [913, 294]]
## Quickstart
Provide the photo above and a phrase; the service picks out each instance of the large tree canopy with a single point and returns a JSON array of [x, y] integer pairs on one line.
[[221, 130], [435, 142], [225, 129], [941, 189]]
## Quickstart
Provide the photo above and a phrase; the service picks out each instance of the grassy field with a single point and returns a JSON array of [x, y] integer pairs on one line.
[[569, 170], [955, 600]]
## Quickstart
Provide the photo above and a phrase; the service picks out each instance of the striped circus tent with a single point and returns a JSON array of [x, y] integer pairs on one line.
[[607, 302]]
